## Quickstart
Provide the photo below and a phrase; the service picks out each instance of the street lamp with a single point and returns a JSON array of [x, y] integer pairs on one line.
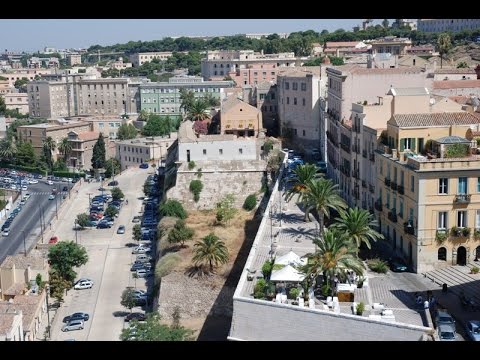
[[24, 243]]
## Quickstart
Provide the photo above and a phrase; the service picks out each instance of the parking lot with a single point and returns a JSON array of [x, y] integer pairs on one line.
[[110, 259]]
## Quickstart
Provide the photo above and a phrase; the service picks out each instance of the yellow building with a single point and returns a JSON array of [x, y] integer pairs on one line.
[[240, 118], [428, 188]]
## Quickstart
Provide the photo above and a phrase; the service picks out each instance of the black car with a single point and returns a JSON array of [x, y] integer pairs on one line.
[[113, 183], [136, 266], [103, 225], [135, 316], [398, 265], [76, 316], [143, 166], [65, 188]]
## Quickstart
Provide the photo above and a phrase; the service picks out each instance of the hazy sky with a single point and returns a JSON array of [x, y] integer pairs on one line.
[[33, 35]]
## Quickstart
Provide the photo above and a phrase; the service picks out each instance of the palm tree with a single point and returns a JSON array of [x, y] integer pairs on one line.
[[7, 150], [49, 145], [335, 255], [444, 44], [198, 110], [65, 147], [187, 98], [303, 175], [357, 224], [210, 250], [322, 195]]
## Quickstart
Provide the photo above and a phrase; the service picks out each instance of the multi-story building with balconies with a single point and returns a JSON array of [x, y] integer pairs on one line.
[[442, 25]]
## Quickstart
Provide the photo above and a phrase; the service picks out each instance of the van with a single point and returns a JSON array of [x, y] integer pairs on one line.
[[73, 325]]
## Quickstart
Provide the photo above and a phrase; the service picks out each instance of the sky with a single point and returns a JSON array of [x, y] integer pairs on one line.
[[35, 34]]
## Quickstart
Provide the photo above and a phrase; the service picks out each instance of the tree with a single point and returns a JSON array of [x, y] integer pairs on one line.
[[210, 250], [180, 233], [25, 154], [144, 115], [111, 211], [83, 220], [58, 285], [187, 98], [7, 150], [385, 23], [3, 106], [99, 153], [153, 330], [225, 209], [322, 195], [117, 193], [112, 164], [172, 208], [200, 127], [159, 125], [21, 84], [462, 64], [128, 299], [335, 255], [303, 174], [49, 145], [126, 131], [147, 188], [444, 43], [66, 255], [357, 225], [198, 110], [65, 148], [137, 232]]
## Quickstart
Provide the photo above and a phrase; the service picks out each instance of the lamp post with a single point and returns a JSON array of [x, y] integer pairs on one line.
[[24, 243]]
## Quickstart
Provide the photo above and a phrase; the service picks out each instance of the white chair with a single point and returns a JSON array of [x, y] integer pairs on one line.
[[278, 298], [387, 312], [284, 299]]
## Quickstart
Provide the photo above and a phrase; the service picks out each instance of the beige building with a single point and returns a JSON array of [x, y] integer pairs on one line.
[[74, 59], [428, 188], [391, 44], [456, 87], [82, 149], [139, 59], [141, 150], [11, 325], [454, 74], [108, 125], [17, 101], [240, 118], [5, 87], [18, 74]]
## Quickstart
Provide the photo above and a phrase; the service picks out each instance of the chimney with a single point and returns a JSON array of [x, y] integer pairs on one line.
[[394, 154]]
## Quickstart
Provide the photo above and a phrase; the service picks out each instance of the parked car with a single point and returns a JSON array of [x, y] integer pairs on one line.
[[143, 273], [135, 316], [73, 325], [140, 250], [143, 257], [6, 232], [473, 330], [443, 317], [51, 197], [121, 229], [104, 225], [137, 219], [50, 182], [398, 265], [447, 332], [143, 166], [53, 240], [76, 316], [113, 183], [65, 188], [136, 266], [84, 284]]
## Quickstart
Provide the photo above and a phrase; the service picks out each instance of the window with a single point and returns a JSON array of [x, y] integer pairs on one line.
[[478, 185], [220, 151], [443, 186], [462, 218], [388, 201], [477, 219], [295, 86], [204, 151], [303, 132], [407, 143], [462, 185], [442, 254], [303, 86], [442, 220], [100, 125], [412, 184], [402, 182], [400, 211], [240, 151], [380, 166], [262, 96], [303, 101], [288, 100], [287, 85], [294, 101]]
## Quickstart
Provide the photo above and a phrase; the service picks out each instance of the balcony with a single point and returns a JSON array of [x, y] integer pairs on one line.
[[378, 205], [460, 231], [345, 147], [371, 188], [364, 153], [392, 215], [387, 182], [364, 184], [372, 157], [462, 199], [408, 228], [401, 189], [393, 185]]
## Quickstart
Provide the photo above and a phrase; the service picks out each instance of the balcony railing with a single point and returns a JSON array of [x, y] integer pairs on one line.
[[401, 189], [408, 228], [364, 153], [378, 205], [387, 181], [364, 184], [393, 185], [392, 215], [371, 188], [462, 199], [372, 157], [345, 147]]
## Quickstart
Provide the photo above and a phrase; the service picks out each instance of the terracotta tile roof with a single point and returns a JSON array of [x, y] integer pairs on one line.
[[88, 135], [460, 99], [337, 44], [22, 262], [357, 69], [456, 84], [455, 71], [435, 119], [232, 101], [15, 289], [300, 71], [6, 321], [352, 50]]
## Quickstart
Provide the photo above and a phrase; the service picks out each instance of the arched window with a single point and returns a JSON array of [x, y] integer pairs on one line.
[[442, 254]]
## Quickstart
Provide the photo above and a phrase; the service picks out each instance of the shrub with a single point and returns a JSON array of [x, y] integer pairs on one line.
[[278, 267], [259, 290], [267, 269], [441, 236], [378, 265], [196, 187], [191, 165], [466, 232], [294, 292], [199, 173], [172, 208], [250, 202], [475, 270], [166, 264], [225, 209], [476, 234], [68, 174], [360, 308], [457, 150]]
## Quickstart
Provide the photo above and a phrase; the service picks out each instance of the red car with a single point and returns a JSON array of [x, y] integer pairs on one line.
[[53, 240]]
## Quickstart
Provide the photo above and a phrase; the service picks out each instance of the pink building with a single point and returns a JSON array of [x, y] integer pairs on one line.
[[254, 74]]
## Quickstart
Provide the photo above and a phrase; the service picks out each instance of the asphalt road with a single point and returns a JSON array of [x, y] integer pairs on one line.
[[27, 222]]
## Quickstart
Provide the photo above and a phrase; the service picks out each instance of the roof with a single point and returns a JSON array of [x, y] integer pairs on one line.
[[455, 84], [185, 131], [6, 321], [15, 289], [299, 71], [27, 303], [288, 258], [433, 119], [452, 140], [232, 101], [360, 70], [288, 273], [22, 262], [88, 135], [413, 91], [336, 44], [455, 71], [264, 85]]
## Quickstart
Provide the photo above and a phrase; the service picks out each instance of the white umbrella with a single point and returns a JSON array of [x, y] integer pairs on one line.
[[287, 274], [288, 259]]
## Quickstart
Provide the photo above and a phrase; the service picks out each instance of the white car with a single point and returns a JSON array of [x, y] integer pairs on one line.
[[6, 232], [83, 284], [142, 273], [140, 250], [33, 181], [50, 182], [24, 188], [27, 196]]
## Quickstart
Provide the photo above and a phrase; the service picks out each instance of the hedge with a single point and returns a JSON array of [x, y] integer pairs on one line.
[[32, 169], [68, 174]]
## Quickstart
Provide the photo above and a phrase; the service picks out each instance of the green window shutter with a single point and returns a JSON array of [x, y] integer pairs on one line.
[[402, 144], [413, 145]]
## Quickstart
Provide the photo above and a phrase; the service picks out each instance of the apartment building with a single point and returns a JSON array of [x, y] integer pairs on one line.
[[454, 74], [30, 74], [17, 101], [240, 118], [164, 97], [139, 59], [108, 125], [456, 87], [428, 188], [265, 98], [391, 44], [101, 96], [252, 74], [443, 25], [349, 84], [141, 150], [82, 149], [345, 48], [5, 87], [298, 105], [220, 63], [74, 59]]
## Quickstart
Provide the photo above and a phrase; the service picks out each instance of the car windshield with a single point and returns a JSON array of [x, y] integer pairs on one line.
[[476, 330], [447, 335], [445, 319]]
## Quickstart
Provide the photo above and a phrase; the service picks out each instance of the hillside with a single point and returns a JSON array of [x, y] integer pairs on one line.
[[469, 53]]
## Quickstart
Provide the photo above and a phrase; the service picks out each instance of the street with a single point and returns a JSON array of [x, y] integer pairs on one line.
[[108, 265]]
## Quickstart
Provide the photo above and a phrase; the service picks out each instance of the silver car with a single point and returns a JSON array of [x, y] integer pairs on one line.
[[473, 330], [447, 332], [73, 325]]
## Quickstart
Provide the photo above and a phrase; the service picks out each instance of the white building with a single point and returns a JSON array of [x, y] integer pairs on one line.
[[139, 59], [442, 25]]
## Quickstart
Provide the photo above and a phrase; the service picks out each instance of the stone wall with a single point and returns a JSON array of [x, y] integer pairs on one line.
[[230, 177]]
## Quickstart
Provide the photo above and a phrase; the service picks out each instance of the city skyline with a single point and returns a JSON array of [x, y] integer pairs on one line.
[[83, 33]]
